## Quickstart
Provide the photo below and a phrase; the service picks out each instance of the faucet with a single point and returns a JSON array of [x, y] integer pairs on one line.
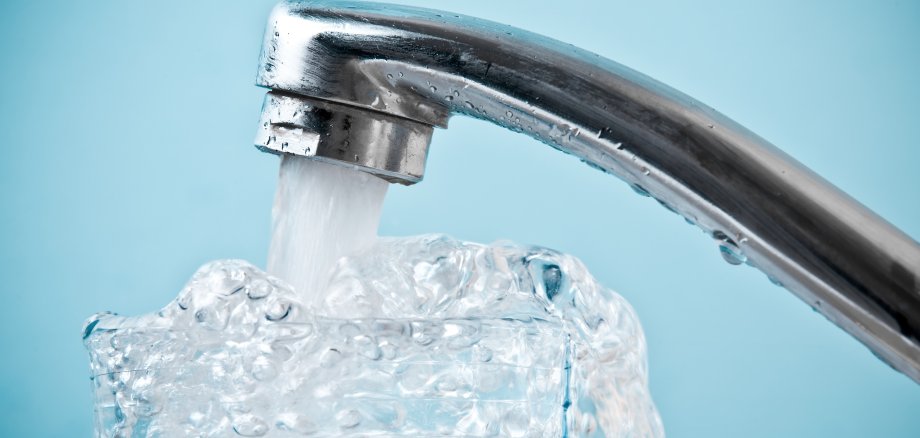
[[364, 85]]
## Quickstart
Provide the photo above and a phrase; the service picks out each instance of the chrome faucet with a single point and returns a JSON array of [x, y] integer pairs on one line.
[[363, 85]]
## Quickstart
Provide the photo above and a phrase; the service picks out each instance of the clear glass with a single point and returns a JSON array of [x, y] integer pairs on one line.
[[422, 336]]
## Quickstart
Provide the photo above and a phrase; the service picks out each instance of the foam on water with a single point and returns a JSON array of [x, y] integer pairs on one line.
[[418, 336]]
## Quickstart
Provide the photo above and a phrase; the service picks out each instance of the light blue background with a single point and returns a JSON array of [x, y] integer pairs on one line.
[[126, 163]]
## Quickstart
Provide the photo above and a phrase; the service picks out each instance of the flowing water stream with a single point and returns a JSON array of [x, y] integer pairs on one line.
[[321, 213]]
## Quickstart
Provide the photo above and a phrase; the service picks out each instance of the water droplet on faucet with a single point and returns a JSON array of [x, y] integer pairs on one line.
[[731, 254], [775, 281], [728, 249], [640, 190]]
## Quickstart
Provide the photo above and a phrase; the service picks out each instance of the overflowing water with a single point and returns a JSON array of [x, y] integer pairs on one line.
[[418, 336]]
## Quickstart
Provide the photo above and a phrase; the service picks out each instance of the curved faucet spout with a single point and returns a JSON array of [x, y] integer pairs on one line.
[[375, 79]]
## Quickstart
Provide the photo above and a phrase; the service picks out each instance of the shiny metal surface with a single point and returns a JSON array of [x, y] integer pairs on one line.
[[760, 206], [392, 148]]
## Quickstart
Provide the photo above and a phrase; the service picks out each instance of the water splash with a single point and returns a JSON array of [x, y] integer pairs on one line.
[[412, 337], [353, 336]]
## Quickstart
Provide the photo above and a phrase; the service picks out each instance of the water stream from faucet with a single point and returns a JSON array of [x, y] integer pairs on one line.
[[322, 212]]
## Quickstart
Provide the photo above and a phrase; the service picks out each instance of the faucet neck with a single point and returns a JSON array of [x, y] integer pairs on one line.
[[395, 72]]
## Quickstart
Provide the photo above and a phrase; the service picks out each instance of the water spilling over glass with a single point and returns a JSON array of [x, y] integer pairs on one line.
[[422, 336]]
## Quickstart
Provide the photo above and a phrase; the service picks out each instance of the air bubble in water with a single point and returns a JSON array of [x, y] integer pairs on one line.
[[249, 425], [348, 418]]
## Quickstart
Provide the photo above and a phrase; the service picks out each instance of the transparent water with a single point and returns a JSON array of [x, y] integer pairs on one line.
[[321, 213], [419, 336]]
